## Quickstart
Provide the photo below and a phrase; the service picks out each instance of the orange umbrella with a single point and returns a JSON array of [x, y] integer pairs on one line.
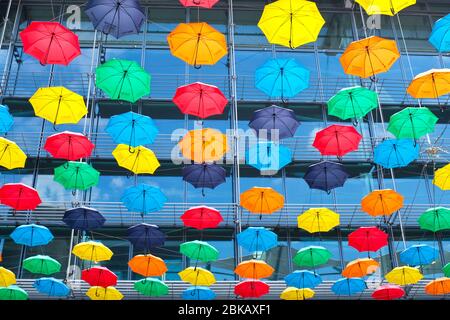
[[382, 202], [370, 56], [203, 145], [430, 84], [360, 268], [439, 286], [253, 269], [147, 265], [261, 200]]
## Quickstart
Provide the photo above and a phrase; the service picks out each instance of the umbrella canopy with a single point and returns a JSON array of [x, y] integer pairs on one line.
[[202, 145], [7, 277], [388, 292], [325, 175], [412, 123], [370, 56], [138, 160], [267, 155], [396, 153], [13, 293], [385, 7], [435, 219], [282, 78], [74, 175], [99, 276], [291, 293], [367, 239], [204, 175], [274, 120], [251, 289], [382, 202], [147, 265], [446, 270], [303, 279], [440, 286], [352, 103], [197, 43], [440, 35], [31, 235], [360, 268], [257, 239], [83, 218], [201, 217], [442, 177], [143, 198], [92, 251], [199, 251], [6, 119], [199, 3], [41, 264], [403, 276], [318, 220], [50, 43], [430, 84], [261, 200], [69, 145], [419, 255], [198, 293], [58, 105], [200, 99], [312, 256], [145, 236], [11, 156], [337, 140], [197, 276], [132, 129], [100, 293], [151, 287], [51, 287], [291, 23], [254, 269], [19, 196], [348, 286], [116, 17]]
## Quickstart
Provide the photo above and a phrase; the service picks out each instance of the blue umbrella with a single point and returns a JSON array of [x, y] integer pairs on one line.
[[267, 155], [198, 293], [419, 255], [282, 78], [83, 218], [349, 286], [325, 175], [32, 235], [440, 35], [6, 119], [145, 236], [132, 129], [274, 118], [204, 175], [52, 287], [396, 153], [303, 279], [257, 239], [143, 198]]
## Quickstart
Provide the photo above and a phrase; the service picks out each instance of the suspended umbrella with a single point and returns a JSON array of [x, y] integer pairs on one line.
[[145, 236], [138, 160], [370, 56], [199, 251], [318, 220], [325, 175], [291, 23], [13, 293], [367, 239], [199, 3], [440, 35], [6, 119], [19, 196], [92, 251], [198, 293], [435, 219], [274, 120], [99, 276], [151, 287], [442, 177], [403, 276], [31, 235], [267, 155], [204, 175], [197, 44], [147, 265], [412, 123], [74, 175], [143, 198], [261, 200], [50, 42], [282, 78], [69, 145], [51, 287], [312, 256], [382, 202], [337, 140], [7, 277], [197, 276], [41, 264], [116, 17], [348, 286], [256, 239], [396, 153], [201, 217], [202, 145], [254, 269], [100, 293], [291, 293], [446, 270], [360, 268], [352, 103], [388, 292], [385, 7], [251, 289], [430, 84], [439, 286], [11, 156], [303, 279], [419, 255], [83, 218]]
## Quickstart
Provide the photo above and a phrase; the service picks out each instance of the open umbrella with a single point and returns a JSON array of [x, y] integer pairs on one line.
[[7, 277], [337, 140], [145, 236], [11, 156], [201, 217], [388, 292], [100, 293], [92, 251], [439, 286], [199, 251], [312, 256], [19, 196], [385, 7], [403, 276], [199, 3], [267, 155], [442, 177], [257, 239], [325, 175], [253, 269], [74, 175], [83, 218], [318, 220], [31, 235], [203, 145], [274, 120], [303, 279], [99, 276], [382, 202], [446, 270], [198, 293], [440, 35], [367, 239], [430, 84], [151, 287], [291, 293], [348, 286], [251, 289], [13, 293], [41, 264], [412, 123], [352, 103], [138, 160], [419, 255], [360, 268], [69, 145], [435, 219], [204, 175], [52, 287], [197, 276], [261, 200], [396, 153], [147, 265], [143, 198], [6, 119]]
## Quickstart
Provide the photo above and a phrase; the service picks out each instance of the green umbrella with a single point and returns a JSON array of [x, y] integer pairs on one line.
[[13, 292], [435, 219], [412, 123], [312, 256], [352, 103], [446, 270], [199, 250], [76, 175], [151, 287], [123, 80], [41, 264]]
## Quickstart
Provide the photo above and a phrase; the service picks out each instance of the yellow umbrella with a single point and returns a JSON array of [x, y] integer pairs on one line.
[[430, 84], [11, 156], [291, 23], [403, 276], [318, 220], [7, 277], [203, 145], [360, 267], [261, 200], [291, 293], [101, 293], [58, 105], [197, 276], [386, 7], [442, 177], [92, 251], [138, 159]]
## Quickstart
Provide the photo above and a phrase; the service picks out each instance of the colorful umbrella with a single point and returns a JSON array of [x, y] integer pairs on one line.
[[337, 140], [13, 293], [147, 265], [199, 3], [145, 236], [311, 256], [385, 7], [325, 175], [403, 276], [204, 175], [7, 277], [267, 155], [291, 293], [396, 153], [303, 279], [419, 255], [367, 239], [100, 293], [50, 43], [201, 217], [6, 119], [197, 276], [348, 287], [382, 202], [11, 156], [274, 122], [435, 219], [446, 270], [261, 200], [412, 123], [41, 264], [92, 251], [202, 145], [352, 103], [51, 287], [439, 286], [430, 84], [19, 196], [257, 239], [254, 269], [31, 235], [138, 160], [360, 268], [440, 35], [151, 287], [251, 289], [143, 198], [69, 145], [74, 175], [388, 292], [198, 293], [199, 250], [442, 177], [83, 218], [99, 276], [318, 220]]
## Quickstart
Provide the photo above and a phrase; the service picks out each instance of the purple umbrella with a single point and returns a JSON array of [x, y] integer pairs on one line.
[[275, 118], [204, 175], [325, 175], [83, 218], [145, 236]]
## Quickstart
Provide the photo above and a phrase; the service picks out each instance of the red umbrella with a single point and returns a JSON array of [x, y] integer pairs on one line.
[[200, 99], [19, 196], [367, 239], [99, 276], [337, 140], [69, 145], [50, 43], [388, 292], [202, 217], [251, 289], [199, 3]]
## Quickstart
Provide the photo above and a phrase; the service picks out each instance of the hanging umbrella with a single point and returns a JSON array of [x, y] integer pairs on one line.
[[201, 217], [337, 140], [348, 287], [291, 293], [267, 155], [367, 239], [147, 265], [74, 175], [99, 276], [412, 123], [13, 293], [41, 264], [151, 287], [291, 23], [50, 42], [51, 287], [200, 99], [325, 175], [132, 129], [435, 219], [430, 84], [143, 198], [385, 7], [92, 251], [312, 256], [261, 200], [197, 43], [7, 277], [199, 251], [352, 103], [198, 293], [83, 218], [360, 268], [439, 286], [145, 236], [440, 35], [31, 235], [100, 293], [282, 78], [58, 105], [116, 17], [318, 220], [419, 255], [274, 120], [442, 177], [303, 279], [251, 289], [197, 276], [202, 145], [6, 119], [11, 156], [396, 153], [204, 175], [69, 145], [138, 160], [382, 202], [403, 276], [199, 3], [256, 239], [446, 270], [370, 56], [19, 196], [254, 269], [388, 292]]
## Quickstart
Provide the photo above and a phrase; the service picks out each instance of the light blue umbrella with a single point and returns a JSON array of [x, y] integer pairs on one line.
[[440, 35], [32, 235], [303, 279], [6, 119], [257, 239], [52, 287], [132, 129], [283, 78], [348, 286], [198, 293], [267, 155], [419, 255], [396, 153], [143, 198]]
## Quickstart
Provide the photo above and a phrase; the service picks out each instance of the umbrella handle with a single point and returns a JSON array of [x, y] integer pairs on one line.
[[355, 122], [74, 192], [54, 127], [66, 165], [131, 150], [197, 66]]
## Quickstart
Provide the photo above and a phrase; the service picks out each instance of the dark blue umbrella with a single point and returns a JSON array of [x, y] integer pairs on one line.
[[198, 293], [204, 175], [145, 236], [419, 255], [257, 239], [32, 235], [116, 17], [348, 286], [143, 198], [52, 287], [396, 153], [83, 218], [283, 120], [325, 175], [303, 279]]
